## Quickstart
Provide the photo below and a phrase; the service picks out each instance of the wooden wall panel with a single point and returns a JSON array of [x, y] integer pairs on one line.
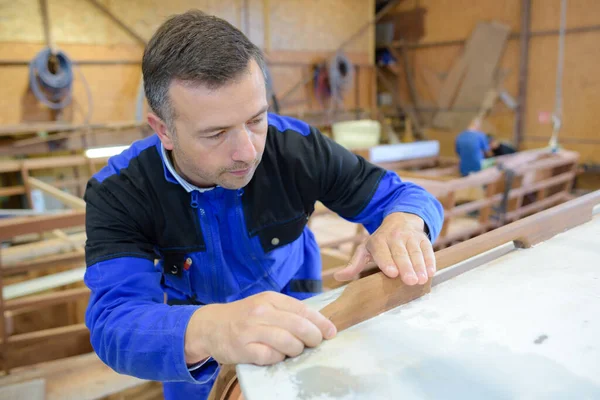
[[298, 30], [323, 24], [455, 19], [581, 86], [546, 13]]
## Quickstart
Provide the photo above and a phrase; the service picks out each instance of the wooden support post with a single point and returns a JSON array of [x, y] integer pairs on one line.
[[402, 56], [25, 179], [373, 98], [357, 91], [3, 327], [266, 22], [523, 68], [485, 212]]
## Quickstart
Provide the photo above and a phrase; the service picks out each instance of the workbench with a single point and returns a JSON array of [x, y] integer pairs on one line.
[[514, 313]]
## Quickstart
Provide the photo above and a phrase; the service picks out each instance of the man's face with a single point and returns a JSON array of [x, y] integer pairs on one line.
[[219, 134]]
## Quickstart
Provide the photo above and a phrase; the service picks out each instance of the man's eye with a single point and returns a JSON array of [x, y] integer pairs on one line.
[[255, 121], [216, 136]]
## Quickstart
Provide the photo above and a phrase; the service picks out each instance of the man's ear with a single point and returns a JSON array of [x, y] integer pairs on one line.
[[160, 127]]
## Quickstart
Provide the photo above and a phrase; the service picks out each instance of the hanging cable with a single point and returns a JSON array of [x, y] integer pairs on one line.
[[88, 92], [557, 117], [340, 74], [51, 78]]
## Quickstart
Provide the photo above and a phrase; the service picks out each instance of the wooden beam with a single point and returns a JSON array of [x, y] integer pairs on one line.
[[523, 72], [513, 36], [119, 22], [48, 162], [41, 284], [41, 250], [266, 24], [374, 295], [47, 300], [66, 198], [12, 191], [69, 260], [48, 127], [46, 24], [31, 338], [11, 227]]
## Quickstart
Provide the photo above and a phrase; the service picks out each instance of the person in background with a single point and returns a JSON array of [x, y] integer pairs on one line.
[[472, 147], [499, 148]]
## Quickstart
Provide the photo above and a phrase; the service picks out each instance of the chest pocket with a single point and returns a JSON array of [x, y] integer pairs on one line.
[[176, 276], [283, 233]]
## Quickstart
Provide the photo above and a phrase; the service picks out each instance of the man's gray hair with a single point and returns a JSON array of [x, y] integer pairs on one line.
[[197, 49]]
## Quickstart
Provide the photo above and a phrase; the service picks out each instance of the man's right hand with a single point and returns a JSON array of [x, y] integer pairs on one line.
[[262, 329]]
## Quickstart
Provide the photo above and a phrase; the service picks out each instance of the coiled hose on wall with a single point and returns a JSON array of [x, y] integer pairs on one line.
[[333, 79], [341, 73], [52, 88]]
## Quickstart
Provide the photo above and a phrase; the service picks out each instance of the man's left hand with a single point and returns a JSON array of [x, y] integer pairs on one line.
[[399, 247]]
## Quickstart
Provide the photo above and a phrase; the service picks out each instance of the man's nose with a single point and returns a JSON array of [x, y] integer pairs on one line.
[[244, 149]]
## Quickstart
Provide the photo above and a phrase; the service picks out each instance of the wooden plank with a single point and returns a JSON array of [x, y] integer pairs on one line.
[[29, 128], [449, 88], [374, 295], [66, 198], [481, 52], [48, 299], [370, 296], [11, 227], [536, 206], [480, 75], [43, 283], [47, 163], [48, 348], [20, 254], [30, 338], [12, 191]]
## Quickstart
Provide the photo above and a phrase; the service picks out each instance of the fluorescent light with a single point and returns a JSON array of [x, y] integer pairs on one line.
[[100, 152]]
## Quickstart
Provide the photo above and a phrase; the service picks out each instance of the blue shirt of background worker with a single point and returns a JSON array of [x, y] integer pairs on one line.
[[472, 146]]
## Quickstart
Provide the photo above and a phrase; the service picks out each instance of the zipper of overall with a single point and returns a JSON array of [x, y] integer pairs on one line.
[[240, 221], [208, 241]]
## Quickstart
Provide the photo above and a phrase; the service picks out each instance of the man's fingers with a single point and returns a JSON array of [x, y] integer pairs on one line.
[[302, 328], [428, 256], [357, 263], [289, 304], [382, 256], [403, 262], [279, 339], [416, 258], [261, 354]]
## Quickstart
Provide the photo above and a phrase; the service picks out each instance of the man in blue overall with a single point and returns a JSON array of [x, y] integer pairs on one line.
[[472, 146], [220, 196]]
